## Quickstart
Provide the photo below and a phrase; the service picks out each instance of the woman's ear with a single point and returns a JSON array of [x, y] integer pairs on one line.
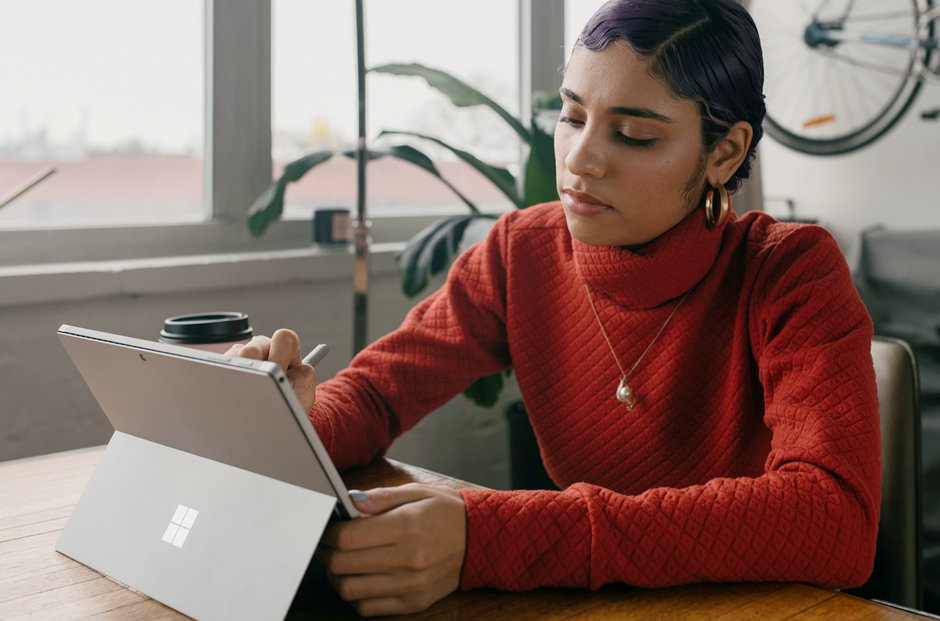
[[730, 153]]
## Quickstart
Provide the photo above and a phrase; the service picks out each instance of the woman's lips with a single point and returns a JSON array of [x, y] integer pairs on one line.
[[578, 203]]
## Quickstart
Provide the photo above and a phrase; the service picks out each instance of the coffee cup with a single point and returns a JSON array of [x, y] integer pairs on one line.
[[215, 332]]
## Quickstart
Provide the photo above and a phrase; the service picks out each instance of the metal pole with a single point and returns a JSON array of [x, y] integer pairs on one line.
[[361, 261], [26, 185]]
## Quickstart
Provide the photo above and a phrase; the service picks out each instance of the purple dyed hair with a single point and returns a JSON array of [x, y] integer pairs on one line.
[[707, 51]]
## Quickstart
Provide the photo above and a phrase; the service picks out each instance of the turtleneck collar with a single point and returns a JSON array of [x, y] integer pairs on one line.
[[659, 271]]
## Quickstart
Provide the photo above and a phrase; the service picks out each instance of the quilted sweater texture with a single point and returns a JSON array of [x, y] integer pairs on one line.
[[753, 451]]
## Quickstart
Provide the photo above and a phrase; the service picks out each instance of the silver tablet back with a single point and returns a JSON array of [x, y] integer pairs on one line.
[[210, 496], [204, 538]]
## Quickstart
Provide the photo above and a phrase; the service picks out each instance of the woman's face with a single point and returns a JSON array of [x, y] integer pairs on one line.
[[630, 144]]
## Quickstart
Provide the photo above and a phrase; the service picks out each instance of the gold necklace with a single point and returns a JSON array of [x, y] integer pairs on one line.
[[625, 394]]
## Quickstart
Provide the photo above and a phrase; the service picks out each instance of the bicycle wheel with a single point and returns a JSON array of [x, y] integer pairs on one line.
[[839, 73], [927, 30]]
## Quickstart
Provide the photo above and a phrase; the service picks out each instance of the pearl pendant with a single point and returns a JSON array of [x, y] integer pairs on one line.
[[625, 394]]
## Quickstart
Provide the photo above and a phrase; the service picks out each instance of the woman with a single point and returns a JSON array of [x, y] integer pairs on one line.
[[700, 383]]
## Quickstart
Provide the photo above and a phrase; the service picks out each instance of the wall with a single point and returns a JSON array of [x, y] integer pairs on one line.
[[45, 406], [894, 181]]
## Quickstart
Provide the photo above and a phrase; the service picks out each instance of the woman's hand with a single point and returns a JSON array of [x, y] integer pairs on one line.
[[405, 553], [283, 348]]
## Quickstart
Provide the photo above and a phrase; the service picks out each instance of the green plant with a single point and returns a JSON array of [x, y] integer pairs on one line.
[[434, 249]]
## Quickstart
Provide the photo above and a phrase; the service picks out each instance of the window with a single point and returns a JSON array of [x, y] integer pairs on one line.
[[186, 94], [111, 95], [577, 14], [315, 99]]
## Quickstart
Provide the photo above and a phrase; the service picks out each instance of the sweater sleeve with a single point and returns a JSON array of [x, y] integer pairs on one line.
[[811, 517], [446, 342]]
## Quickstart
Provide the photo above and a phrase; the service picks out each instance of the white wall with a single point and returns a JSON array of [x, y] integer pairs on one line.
[[894, 181]]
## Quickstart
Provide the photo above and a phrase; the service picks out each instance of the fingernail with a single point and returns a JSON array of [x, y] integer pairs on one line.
[[291, 382], [358, 496]]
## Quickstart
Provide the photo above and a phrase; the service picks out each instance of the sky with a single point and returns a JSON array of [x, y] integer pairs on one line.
[[134, 70]]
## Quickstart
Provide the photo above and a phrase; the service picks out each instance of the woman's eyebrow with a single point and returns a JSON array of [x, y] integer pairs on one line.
[[643, 113]]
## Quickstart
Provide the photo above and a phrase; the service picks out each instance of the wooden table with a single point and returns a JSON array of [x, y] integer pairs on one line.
[[37, 496]]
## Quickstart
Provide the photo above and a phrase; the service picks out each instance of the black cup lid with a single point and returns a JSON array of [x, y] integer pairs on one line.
[[205, 328]]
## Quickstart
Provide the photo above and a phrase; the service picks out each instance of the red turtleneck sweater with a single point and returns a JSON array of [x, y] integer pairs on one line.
[[753, 451]]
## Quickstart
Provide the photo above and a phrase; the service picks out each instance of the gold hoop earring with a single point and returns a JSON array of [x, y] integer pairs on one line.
[[725, 200]]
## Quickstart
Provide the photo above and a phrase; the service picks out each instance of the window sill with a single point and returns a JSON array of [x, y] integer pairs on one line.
[[60, 282], [26, 247]]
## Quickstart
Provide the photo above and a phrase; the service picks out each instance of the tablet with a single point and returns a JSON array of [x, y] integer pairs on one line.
[[214, 490], [232, 410]]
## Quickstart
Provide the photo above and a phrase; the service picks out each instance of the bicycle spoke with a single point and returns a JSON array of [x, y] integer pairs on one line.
[[854, 72], [871, 55], [817, 94], [785, 49], [779, 32], [806, 9], [798, 97], [889, 76], [844, 97], [775, 23], [865, 65], [819, 9], [880, 17], [785, 82], [831, 107]]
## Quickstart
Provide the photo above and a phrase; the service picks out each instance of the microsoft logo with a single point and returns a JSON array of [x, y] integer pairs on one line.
[[180, 525]]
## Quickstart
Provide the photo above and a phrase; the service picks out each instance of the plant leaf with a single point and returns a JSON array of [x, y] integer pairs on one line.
[[431, 251], [542, 100], [476, 232], [460, 93], [485, 391], [416, 157], [540, 184], [500, 177], [374, 154], [270, 204]]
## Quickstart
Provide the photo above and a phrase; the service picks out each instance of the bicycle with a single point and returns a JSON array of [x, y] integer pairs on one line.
[[840, 74]]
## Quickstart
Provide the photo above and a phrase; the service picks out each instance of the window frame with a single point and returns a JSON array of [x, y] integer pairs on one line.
[[238, 162]]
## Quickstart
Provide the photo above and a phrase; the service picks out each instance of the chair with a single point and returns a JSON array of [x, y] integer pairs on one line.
[[898, 575]]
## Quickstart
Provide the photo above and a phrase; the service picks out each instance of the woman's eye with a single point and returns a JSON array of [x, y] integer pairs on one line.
[[633, 142]]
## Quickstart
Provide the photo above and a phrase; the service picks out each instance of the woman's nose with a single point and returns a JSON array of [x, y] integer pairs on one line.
[[585, 159]]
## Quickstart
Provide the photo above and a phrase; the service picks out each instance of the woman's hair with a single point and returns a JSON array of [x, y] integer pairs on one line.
[[704, 50]]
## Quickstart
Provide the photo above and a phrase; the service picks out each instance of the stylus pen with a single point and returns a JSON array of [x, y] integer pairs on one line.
[[319, 353]]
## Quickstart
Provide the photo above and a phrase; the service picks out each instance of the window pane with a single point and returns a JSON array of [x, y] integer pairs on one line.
[[110, 94], [315, 98], [577, 14]]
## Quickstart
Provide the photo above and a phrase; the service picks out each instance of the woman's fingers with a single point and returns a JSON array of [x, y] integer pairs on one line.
[[402, 558], [382, 606], [284, 349], [382, 499], [349, 562], [382, 559], [352, 588], [388, 522], [256, 349], [303, 378], [371, 532]]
